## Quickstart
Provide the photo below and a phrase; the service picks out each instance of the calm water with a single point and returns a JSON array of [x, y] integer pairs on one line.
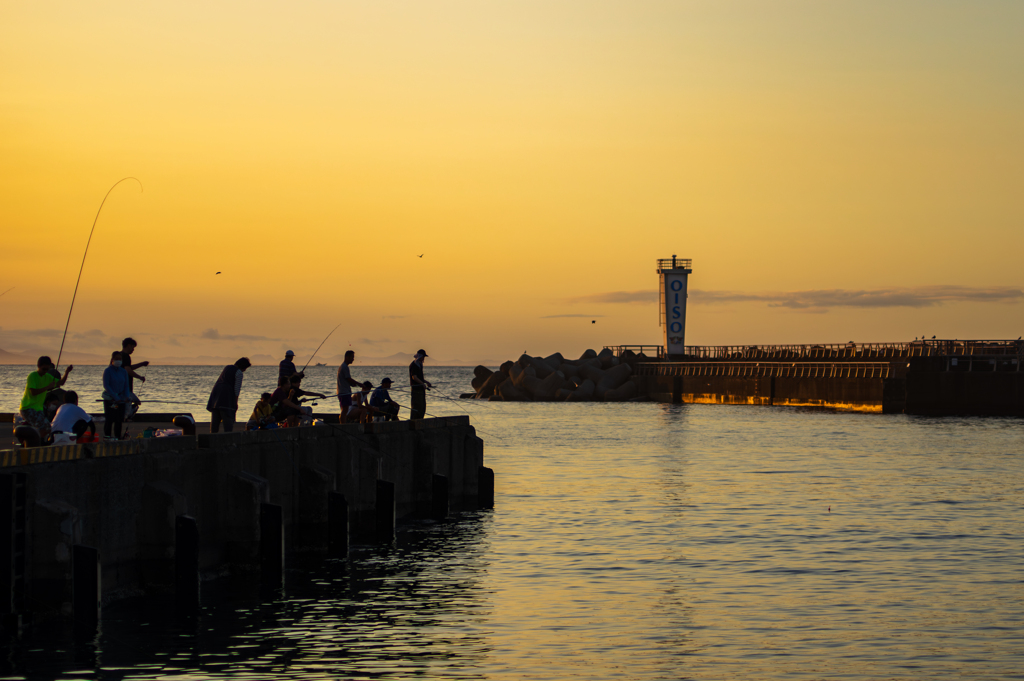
[[639, 541]]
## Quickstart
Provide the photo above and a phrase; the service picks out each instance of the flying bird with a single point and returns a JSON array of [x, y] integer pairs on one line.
[[593, 321], [218, 272], [421, 255]]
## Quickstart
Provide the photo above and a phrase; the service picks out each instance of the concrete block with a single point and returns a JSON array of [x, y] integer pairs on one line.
[[243, 497], [162, 503], [276, 435], [56, 528], [220, 440], [314, 484]]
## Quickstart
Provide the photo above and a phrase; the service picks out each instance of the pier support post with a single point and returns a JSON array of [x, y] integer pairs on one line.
[[186, 562], [156, 526], [245, 493], [271, 543], [485, 490], [337, 524], [12, 551], [385, 511], [85, 586], [309, 532], [439, 497]]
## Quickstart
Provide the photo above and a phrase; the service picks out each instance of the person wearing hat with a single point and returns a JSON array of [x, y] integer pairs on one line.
[[382, 402], [420, 386], [287, 367]]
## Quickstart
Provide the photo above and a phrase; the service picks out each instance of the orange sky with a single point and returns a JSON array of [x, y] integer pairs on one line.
[[539, 154]]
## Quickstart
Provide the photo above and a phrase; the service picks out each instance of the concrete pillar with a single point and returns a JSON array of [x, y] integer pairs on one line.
[[486, 488], [156, 525], [439, 497], [314, 485], [186, 563], [86, 586], [244, 494], [56, 528], [12, 550], [337, 524], [384, 512], [271, 544]]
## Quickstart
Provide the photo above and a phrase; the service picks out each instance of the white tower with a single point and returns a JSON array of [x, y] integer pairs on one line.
[[673, 274]]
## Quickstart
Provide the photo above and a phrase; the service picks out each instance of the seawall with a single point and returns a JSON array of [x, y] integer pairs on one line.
[[244, 496]]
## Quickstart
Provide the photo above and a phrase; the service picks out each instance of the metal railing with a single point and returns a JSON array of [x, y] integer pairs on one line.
[[768, 369], [842, 351], [656, 351], [674, 263]]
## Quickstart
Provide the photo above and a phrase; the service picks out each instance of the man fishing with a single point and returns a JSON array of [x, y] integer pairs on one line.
[[345, 385], [420, 386], [287, 367], [40, 382], [382, 402], [128, 346]]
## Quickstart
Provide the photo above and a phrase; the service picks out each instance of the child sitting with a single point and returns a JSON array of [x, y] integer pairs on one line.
[[263, 415]]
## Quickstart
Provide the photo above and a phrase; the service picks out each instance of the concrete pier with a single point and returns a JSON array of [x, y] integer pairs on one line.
[[251, 497]]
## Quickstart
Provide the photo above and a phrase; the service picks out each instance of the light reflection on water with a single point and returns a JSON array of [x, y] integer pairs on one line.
[[643, 541]]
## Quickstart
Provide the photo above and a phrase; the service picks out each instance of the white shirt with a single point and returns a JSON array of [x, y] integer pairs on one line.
[[67, 416], [344, 387]]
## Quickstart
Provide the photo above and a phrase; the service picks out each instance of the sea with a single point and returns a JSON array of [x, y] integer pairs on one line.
[[627, 541]]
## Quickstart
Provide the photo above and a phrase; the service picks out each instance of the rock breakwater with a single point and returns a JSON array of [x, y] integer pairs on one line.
[[594, 377]]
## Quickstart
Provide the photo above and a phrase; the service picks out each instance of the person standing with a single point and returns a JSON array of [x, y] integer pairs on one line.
[[128, 346], [345, 385], [287, 367], [223, 402], [420, 386], [116, 396], [40, 382]]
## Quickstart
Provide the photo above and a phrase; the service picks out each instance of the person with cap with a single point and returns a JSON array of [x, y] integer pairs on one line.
[[39, 383], [287, 367], [128, 346], [223, 402], [420, 386], [382, 402]]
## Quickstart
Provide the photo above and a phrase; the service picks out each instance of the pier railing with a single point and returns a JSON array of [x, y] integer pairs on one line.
[[768, 369], [851, 352]]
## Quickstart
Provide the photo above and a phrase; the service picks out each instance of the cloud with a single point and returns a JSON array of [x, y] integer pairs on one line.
[[379, 341], [618, 297], [821, 300], [213, 334], [559, 316]]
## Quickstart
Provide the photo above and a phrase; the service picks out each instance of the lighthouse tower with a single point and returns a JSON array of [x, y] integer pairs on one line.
[[673, 273]]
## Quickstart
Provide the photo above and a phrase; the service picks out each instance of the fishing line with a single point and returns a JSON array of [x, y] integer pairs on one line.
[[82, 268], [322, 344], [7, 291]]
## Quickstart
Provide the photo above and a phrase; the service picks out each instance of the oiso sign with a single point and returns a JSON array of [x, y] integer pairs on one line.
[[674, 275]]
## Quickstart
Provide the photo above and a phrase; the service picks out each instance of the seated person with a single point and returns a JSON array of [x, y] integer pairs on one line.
[[71, 421], [382, 402], [285, 408], [361, 411], [297, 393], [262, 415]]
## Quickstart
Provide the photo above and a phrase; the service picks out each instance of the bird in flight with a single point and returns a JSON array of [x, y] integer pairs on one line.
[[421, 255], [593, 321], [218, 272]]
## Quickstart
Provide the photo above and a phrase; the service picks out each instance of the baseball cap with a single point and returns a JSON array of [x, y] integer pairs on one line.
[[385, 380], [289, 354], [423, 353]]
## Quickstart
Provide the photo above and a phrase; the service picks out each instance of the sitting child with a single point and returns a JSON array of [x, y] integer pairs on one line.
[[263, 415]]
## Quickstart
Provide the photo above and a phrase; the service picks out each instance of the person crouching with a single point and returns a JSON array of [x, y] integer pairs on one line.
[[71, 421]]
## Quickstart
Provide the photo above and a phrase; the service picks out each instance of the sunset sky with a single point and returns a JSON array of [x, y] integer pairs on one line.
[[836, 171]]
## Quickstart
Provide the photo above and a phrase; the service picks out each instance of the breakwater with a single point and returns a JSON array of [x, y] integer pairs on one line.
[[595, 376], [934, 377], [85, 525]]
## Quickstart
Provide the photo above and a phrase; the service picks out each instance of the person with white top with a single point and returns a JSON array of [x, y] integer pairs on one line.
[[71, 421]]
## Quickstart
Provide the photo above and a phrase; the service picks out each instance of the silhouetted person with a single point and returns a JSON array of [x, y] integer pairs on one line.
[[223, 402]]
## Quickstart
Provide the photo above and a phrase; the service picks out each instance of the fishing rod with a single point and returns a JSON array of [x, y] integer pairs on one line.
[[322, 344], [7, 291], [82, 268]]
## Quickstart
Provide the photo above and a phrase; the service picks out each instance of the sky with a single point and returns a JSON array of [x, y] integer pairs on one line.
[[484, 179]]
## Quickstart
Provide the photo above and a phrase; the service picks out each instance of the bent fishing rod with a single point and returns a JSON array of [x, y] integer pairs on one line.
[[84, 255]]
